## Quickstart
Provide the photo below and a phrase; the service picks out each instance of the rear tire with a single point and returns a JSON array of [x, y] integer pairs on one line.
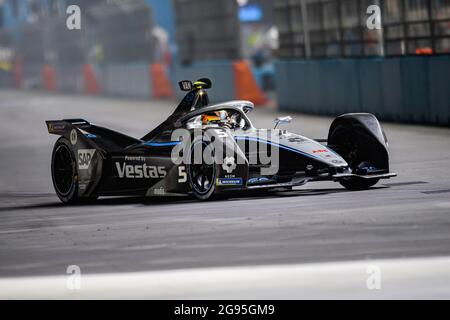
[[64, 172]]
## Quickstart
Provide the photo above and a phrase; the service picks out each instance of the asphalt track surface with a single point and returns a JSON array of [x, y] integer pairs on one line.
[[405, 217]]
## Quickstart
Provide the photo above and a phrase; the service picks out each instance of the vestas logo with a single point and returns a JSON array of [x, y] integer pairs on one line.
[[139, 171]]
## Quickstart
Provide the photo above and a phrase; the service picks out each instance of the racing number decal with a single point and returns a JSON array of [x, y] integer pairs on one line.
[[221, 134], [182, 176]]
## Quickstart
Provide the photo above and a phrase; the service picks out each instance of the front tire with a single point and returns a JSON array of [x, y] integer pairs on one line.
[[357, 184], [202, 177], [353, 148]]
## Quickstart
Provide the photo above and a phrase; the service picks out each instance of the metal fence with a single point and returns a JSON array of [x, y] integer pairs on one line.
[[337, 28], [110, 32], [207, 29], [124, 31]]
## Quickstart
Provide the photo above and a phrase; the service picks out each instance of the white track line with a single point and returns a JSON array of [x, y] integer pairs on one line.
[[424, 278]]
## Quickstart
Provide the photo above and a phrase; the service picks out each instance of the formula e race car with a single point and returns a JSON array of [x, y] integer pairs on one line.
[[89, 161]]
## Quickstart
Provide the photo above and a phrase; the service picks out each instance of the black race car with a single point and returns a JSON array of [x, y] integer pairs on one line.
[[205, 149]]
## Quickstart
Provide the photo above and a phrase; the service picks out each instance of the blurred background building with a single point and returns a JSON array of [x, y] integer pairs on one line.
[[309, 55]]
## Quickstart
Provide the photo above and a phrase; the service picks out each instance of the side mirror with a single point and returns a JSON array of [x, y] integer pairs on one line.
[[282, 120], [185, 85]]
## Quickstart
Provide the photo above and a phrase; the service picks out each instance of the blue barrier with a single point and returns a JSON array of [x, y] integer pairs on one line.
[[220, 73], [391, 89], [70, 78], [439, 69], [407, 89], [370, 80], [415, 89], [127, 80], [6, 78]]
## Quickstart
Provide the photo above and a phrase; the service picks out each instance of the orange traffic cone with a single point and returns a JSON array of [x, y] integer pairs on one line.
[[161, 86], [49, 77], [18, 73], [246, 87], [91, 85]]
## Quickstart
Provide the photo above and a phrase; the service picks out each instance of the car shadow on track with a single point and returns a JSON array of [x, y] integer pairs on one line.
[[247, 195]]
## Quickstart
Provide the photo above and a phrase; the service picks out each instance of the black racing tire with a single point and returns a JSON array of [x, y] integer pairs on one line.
[[357, 184], [64, 172], [201, 177]]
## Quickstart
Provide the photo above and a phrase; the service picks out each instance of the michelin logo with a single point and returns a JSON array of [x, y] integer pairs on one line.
[[229, 181], [85, 158]]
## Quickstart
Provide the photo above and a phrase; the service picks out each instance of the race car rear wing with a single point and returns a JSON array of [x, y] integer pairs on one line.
[[59, 127], [100, 138]]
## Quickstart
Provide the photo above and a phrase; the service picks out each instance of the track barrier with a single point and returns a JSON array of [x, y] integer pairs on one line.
[[406, 89], [127, 80], [231, 79]]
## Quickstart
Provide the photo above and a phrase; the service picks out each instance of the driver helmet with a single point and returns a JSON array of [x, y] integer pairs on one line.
[[218, 117]]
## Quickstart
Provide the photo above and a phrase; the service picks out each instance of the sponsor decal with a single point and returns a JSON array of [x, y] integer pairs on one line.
[[182, 175], [159, 191], [296, 140], [55, 127], [229, 164], [229, 182], [258, 180], [84, 158], [337, 161], [82, 186], [139, 171], [135, 158], [73, 137], [320, 151]]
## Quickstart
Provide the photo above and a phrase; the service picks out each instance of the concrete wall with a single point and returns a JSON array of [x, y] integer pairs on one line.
[[407, 89]]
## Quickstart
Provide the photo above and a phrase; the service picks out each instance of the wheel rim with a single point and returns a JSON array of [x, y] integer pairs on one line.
[[201, 175], [63, 170]]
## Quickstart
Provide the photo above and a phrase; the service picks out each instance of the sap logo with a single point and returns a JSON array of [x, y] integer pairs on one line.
[[84, 158], [139, 171]]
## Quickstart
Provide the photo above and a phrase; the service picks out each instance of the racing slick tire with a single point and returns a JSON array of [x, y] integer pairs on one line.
[[350, 149], [356, 184], [65, 175], [201, 176]]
